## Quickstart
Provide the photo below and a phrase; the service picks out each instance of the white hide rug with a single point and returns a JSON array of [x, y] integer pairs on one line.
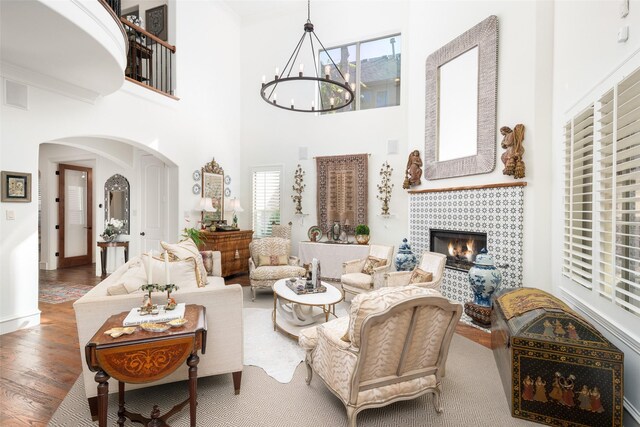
[[276, 354]]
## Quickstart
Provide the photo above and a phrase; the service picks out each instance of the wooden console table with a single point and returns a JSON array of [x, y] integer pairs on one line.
[[127, 358], [103, 253], [233, 247]]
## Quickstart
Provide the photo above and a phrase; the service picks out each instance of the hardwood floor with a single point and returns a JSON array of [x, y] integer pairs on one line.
[[39, 365]]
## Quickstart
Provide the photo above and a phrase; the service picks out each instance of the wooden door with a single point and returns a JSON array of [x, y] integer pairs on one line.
[[153, 203], [75, 216]]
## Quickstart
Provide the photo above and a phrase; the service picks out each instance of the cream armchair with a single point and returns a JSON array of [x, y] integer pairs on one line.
[[355, 281], [393, 346], [430, 262], [265, 275]]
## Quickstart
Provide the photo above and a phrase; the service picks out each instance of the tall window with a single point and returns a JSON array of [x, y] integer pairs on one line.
[[602, 196], [374, 68], [267, 190]]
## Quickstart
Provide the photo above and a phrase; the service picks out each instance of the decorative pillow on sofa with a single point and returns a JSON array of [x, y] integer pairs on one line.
[[374, 302], [130, 281], [273, 260], [420, 276], [187, 249], [183, 273], [208, 259], [372, 262]]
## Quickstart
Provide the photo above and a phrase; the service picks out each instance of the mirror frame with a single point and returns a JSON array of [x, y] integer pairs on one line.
[[213, 168], [484, 36], [118, 182]]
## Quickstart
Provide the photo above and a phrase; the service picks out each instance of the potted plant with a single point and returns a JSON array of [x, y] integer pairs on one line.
[[362, 234], [194, 234]]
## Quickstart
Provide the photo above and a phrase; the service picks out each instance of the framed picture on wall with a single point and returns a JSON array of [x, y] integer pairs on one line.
[[156, 21], [16, 187]]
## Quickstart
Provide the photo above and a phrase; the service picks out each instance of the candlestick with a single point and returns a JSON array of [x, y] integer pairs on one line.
[[149, 268], [327, 71], [167, 275]]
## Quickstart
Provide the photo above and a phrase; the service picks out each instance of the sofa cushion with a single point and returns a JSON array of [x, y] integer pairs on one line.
[[375, 302], [118, 289], [277, 272], [372, 262], [357, 280], [273, 260], [420, 276], [188, 249], [183, 273]]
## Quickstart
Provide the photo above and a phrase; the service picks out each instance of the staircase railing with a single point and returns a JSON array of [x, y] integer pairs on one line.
[[149, 59]]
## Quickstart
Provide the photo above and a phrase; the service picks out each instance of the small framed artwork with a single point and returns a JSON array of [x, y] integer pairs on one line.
[[16, 187], [156, 21]]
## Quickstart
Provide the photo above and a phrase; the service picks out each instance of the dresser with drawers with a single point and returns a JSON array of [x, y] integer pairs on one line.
[[234, 248]]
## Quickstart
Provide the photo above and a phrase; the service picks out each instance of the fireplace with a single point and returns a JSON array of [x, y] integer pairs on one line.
[[460, 247]]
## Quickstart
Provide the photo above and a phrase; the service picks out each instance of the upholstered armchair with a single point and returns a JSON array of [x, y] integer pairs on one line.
[[393, 346], [270, 261], [430, 262], [281, 230], [363, 275]]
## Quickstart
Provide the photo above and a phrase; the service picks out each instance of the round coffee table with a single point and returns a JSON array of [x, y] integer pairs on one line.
[[293, 312]]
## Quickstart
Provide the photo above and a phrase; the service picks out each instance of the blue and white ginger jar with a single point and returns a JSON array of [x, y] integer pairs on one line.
[[405, 259], [484, 278]]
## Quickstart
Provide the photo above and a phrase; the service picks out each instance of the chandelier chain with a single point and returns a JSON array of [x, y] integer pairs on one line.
[[309, 11]]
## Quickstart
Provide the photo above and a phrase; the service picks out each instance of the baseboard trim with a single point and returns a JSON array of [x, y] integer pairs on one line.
[[632, 410], [613, 329], [19, 322]]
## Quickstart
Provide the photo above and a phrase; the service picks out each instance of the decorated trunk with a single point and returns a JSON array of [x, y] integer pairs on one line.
[[555, 367]]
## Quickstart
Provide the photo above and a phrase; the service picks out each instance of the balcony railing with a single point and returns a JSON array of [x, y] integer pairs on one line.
[[149, 60]]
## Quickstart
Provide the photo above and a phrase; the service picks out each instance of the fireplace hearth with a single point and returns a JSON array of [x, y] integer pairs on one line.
[[460, 247]]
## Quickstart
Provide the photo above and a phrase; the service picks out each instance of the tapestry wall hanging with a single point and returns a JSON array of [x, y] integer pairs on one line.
[[342, 190]]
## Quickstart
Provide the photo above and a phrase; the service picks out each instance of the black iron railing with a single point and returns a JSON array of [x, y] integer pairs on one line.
[[149, 60], [114, 5]]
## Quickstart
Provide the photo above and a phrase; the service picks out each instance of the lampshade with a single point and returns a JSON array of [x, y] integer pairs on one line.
[[206, 204], [234, 205]]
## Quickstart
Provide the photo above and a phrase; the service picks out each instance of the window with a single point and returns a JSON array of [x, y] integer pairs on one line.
[[602, 160], [267, 188], [374, 68]]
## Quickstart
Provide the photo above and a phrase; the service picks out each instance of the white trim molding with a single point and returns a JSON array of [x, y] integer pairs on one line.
[[12, 324]]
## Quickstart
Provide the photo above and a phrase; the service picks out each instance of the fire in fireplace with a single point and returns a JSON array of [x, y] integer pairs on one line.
[[460, 247]]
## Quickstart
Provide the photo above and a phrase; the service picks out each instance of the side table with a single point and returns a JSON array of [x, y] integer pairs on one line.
[[126, 359], [103, 253]]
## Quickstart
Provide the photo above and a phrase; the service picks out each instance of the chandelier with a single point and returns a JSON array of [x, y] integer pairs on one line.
[[340, 90]]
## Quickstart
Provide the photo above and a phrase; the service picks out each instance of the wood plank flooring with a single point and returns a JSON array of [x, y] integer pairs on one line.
[[39, 365]]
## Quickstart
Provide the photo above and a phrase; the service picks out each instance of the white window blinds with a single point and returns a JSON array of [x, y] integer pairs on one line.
[[267, 183], [619, 194], [578, 229]]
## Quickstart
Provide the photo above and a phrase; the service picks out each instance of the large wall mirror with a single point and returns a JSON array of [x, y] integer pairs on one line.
[[116, 200], [213, 189], [461, 85]]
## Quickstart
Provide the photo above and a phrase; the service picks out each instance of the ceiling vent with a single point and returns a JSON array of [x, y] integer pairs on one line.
[[16, 94]]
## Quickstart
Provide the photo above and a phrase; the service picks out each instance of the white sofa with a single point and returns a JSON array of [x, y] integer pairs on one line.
[[224, 349]]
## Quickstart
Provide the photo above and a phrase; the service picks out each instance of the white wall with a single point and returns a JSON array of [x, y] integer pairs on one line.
[[587, 60], [203, 124], [524, 96]]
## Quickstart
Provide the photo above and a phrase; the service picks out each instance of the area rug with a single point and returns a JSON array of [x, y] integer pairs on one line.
[[276, 354], [472, 394], [61, 292]]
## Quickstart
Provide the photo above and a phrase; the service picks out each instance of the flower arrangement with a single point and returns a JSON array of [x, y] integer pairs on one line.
[[112, 229]]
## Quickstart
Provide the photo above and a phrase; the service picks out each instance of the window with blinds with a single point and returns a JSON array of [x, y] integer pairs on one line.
[[578, 198], [619, 194], [267, 190]]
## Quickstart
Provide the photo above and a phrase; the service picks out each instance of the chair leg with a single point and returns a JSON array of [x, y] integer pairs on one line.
[[307, 362], [253, 294], [351, 416], [436, 400]]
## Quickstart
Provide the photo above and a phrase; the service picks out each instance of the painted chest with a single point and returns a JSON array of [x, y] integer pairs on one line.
[[555, 367]]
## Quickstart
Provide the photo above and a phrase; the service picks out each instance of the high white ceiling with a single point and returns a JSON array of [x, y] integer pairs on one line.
[[246, 8]]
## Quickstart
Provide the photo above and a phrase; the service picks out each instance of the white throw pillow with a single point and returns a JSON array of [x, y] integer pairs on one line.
[[183, 273], [187, 249]]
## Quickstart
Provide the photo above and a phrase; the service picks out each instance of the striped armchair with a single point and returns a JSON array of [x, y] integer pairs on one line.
[[263, 276]]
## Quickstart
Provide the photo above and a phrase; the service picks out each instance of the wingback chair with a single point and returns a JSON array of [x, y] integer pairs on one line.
[[361, 276], [277, 263], [393, 346], [430, 262]]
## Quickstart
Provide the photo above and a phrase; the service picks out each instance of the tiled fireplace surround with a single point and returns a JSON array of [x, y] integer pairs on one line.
[[497, 210]]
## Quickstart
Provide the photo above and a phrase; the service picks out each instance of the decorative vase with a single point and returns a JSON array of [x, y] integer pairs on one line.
[[108, 238], [405, 259], [362, 239], [484, 278], [335, 231]]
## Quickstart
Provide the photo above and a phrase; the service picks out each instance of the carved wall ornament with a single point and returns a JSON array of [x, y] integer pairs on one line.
[[413, 173], [298, 188], [213, 167], [512, 157], [385, 187]]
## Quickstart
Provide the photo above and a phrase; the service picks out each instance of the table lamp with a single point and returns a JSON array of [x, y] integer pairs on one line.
[[234, 205], [206, 205]]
